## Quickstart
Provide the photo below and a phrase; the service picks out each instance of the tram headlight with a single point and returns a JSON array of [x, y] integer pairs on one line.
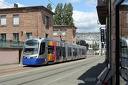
[[30, 57], [34, 56]]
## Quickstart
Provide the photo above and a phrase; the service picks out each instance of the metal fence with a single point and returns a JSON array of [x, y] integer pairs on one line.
[[11, 44]]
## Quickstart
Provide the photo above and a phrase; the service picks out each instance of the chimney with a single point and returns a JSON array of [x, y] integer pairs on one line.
[[15, 5]]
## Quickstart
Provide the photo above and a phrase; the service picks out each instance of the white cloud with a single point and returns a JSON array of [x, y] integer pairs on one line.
[[86, 22], [91, 2], [74, 1], [3, 4]]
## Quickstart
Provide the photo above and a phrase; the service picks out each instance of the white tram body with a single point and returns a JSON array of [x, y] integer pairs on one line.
[[42, 51]]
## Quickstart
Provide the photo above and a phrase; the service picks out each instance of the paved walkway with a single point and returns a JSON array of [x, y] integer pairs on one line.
[[92, 74], [10, 65], [89, 77]]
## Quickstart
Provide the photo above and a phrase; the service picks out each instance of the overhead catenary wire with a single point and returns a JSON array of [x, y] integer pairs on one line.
[[6, 4], [52, 3]]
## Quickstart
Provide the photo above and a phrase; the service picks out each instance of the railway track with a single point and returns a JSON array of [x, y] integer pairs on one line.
[[45, 73], [11, 70], [18, 68]]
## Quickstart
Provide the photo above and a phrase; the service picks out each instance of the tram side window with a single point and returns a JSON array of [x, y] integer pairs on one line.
[[58, 50], [61, 51], [42, 48], [50, 49], [74, 51], [69, 51], [79, 51], [83, 52], [64, 52]]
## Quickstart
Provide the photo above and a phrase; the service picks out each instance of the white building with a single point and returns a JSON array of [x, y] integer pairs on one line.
[[91, 38]]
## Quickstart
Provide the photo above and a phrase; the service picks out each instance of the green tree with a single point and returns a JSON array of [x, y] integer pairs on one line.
[[95, 47], [58, 14], [49, 7], [63, 15], [67, 14], [70, 13]]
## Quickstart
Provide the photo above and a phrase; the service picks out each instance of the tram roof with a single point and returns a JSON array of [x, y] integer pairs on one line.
[[48, 39]]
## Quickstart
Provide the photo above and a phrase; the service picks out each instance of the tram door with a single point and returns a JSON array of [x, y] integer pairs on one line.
[[51, 51], [59, 52]]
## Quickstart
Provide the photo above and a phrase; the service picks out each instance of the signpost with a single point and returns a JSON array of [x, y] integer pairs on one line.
[[102, 32]]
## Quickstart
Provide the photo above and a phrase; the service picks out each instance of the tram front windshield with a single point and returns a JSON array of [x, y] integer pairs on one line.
[[31, 47]]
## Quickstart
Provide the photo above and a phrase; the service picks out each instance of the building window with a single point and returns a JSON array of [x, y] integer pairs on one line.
[[29, 35], [15, 20], [63, 31], [3, 20], [47, 21], [46, 35], [74, 33], [3, 36], [91, 46], [55, 32], [16, 36]]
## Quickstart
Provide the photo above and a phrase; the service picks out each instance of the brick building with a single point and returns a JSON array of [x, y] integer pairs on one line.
[[66, 33], [124, 20], [20, 23]]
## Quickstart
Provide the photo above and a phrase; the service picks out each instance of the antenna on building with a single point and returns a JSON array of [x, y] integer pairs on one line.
[[15, 5]]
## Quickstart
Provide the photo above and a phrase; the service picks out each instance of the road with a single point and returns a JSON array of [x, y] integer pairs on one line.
[[70, 73]]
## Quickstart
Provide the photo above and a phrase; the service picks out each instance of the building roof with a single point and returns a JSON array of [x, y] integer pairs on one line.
[[27, 8], [56, 26], [89, 35]]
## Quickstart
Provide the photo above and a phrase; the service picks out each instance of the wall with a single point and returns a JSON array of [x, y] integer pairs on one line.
[[9, 56], [70, 33]]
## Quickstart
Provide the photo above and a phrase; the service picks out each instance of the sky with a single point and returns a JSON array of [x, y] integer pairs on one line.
[[84, 11]]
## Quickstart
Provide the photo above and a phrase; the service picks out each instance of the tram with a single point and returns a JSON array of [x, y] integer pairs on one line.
[[39, 51]]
